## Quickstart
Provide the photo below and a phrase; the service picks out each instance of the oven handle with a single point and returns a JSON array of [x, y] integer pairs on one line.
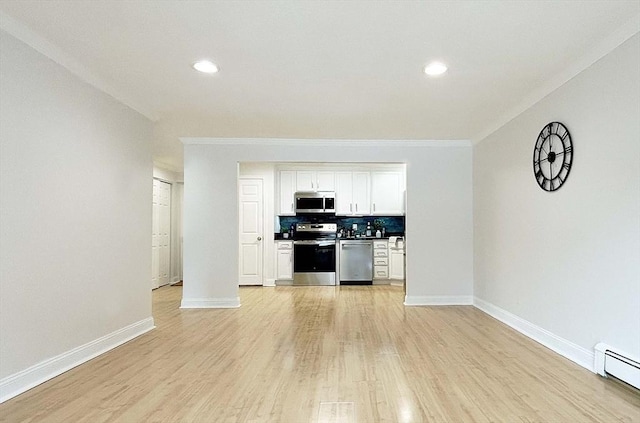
[[319, 243]]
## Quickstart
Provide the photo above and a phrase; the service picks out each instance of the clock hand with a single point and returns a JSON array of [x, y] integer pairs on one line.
[[541, 160]]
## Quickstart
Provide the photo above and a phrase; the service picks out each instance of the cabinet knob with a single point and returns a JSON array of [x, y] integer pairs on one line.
[[259, 238]]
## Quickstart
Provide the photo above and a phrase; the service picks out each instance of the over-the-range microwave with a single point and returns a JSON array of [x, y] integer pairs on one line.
[[315, 202]]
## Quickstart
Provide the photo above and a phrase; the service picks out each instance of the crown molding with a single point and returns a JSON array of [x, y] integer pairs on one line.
[[166, 166], [606, 46], [25, 34], [291, 142]]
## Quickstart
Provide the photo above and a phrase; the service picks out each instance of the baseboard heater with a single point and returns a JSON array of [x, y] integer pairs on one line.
[[609, 361]]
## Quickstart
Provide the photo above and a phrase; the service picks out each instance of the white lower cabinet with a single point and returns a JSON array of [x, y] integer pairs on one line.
[[284, 260], [380, 261], [396, 262]]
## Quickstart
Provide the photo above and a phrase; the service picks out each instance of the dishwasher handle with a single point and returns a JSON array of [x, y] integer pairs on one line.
[[356, 244]]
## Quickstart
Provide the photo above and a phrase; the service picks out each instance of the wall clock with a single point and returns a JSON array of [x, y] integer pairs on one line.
[[552, 156]]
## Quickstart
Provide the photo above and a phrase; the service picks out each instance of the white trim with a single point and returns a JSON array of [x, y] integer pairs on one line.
[[596, 53], [438, 300], [37, 42], [565, 348], [166, 166], [163, 180], [598, 362], [289, 142], [210, 302], [269, 282], [26, 379]]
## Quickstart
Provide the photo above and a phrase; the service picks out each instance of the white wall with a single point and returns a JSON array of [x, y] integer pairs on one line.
[[75, 219], [438, 220], [567, 262]]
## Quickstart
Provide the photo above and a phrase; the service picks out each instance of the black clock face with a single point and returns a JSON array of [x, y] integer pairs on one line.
[[552, 156]]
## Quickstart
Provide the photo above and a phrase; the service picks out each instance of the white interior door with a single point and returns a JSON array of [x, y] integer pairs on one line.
[[160, 236], [251, 236], [155, 237]]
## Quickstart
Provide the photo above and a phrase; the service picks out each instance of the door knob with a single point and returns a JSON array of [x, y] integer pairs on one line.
[[259, 238]]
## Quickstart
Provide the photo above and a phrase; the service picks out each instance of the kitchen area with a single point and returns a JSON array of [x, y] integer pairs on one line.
[[339, 224], [252, 179]]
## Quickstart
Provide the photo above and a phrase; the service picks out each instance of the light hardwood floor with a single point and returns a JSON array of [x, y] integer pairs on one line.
[[326, 354]]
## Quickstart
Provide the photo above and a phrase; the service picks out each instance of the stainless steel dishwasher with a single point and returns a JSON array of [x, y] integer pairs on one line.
[[356, 262]]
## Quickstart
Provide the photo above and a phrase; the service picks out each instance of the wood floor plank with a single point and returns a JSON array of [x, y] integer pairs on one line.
[[325, 354]]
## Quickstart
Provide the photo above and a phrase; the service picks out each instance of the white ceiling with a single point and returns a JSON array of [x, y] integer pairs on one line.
[[324, 69]]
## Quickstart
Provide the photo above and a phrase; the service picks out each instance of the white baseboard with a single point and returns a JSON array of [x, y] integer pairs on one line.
[[434, 300], [210, 302], [565, 348], [269, 282], [26, 379]]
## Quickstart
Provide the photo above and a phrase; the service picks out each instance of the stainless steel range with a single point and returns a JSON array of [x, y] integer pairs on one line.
[[314, 254]]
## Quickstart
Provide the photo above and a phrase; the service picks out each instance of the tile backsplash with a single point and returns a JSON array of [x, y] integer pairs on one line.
[[394, 225]]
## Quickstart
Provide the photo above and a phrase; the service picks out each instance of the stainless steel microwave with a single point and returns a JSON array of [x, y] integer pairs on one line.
[[315, 202]]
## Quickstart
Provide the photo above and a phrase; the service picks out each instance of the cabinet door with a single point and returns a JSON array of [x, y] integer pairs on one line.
[[387, 193], [285, 265], [311, 180], [287, 190], [344, 189], [361, 193], [325, 180], [380, 272], [396, 264], [305, 180]]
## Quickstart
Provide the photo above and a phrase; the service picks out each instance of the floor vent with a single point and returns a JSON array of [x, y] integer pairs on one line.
[[609, 361]]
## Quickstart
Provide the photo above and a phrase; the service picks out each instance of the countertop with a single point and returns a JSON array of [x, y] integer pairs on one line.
[[278, 237], [369, 237]]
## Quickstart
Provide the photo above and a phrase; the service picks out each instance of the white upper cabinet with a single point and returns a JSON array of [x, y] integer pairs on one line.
[[287, 183], [387, 193], [361, 193], [344, 193], [353, 195], [315, 180], [326, 180], [305, 180], [361, 189]]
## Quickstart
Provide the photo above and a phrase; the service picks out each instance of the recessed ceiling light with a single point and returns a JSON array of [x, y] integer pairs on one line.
[[205, 66], [435, 69]]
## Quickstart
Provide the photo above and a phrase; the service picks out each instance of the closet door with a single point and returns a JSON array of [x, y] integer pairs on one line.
[[160, 236], [250, 216]]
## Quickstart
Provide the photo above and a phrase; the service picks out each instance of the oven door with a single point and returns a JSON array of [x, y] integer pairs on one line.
[[314, 262]]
